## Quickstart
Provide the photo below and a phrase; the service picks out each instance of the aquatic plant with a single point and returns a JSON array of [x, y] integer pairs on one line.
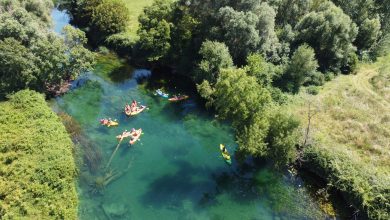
[[71, 125], [91, 154], [100, 182]]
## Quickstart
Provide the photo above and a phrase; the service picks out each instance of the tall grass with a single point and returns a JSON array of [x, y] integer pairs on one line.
[[350, 136]]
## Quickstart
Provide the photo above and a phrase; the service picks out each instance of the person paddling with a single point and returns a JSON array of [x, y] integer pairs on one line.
[[133, 106]]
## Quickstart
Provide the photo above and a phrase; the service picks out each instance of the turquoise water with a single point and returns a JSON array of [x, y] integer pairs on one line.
[[176, 170]]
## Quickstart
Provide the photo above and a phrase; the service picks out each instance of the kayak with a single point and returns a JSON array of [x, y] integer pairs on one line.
[[136, 112], [178, 98], [161, 93], [112, 123], [225, 154], [108, 123], [125, 134], [135, 136]]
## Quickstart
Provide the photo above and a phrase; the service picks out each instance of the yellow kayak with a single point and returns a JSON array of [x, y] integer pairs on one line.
[[108, 123], [112, 123], [225, 154]]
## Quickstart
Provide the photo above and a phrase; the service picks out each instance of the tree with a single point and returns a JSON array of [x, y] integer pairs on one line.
[[155, 29], [291, 11], [364, 14], [17, 67], [207, 92], [252, 138], [369, 33], [238, 96], [302, 67], [257, 66], [79, 58], [331, 33], [269, 44], [48, 58], [238, 32], [282, 139], [215, 56], [82, 10], [20, 25], [110, 17]]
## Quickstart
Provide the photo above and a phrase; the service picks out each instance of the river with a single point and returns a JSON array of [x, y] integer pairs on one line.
[[176, 170]]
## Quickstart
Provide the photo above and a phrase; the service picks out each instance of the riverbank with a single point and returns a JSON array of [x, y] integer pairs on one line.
[[38, 172], [349, 137]]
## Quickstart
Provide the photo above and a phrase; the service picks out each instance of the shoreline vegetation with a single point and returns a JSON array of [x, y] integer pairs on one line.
[[349, 140], [38, 171]]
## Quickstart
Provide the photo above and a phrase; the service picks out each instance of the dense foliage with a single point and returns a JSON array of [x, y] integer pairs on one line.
[[37, 172], [99, 18], [32, 56]]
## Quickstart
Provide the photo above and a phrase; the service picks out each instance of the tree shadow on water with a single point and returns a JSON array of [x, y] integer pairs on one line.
[[172, 189], [121, 73]]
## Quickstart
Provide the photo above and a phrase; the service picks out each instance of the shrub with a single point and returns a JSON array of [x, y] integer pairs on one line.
[[37, 175]]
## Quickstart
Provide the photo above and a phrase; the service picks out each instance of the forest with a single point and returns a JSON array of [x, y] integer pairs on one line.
[[253, 62]]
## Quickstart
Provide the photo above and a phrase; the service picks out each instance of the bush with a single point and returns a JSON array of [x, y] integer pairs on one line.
[[37, 175], [110, 17], [120, 43], [313, 90], [368, 190]]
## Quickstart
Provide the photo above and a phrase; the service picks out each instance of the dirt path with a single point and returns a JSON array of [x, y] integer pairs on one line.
[[361, 81]]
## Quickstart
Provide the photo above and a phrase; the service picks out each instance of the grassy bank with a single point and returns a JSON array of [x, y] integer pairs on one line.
[[350, 136], [37, 172], [135, 9]]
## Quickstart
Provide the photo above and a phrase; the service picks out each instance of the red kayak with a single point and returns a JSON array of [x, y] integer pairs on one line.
[[178, 98]]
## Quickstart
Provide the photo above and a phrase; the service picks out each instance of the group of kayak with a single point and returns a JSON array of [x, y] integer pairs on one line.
[[130, 110], [135, 134], [174, 98]]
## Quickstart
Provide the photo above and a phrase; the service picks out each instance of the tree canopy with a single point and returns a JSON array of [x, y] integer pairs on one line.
[[331, 33], [33, 56]]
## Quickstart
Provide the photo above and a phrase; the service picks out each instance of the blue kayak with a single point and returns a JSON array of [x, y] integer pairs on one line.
[[161, 93]]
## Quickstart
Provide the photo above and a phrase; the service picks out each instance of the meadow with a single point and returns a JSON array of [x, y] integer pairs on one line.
[[135, 9], [349, 139]]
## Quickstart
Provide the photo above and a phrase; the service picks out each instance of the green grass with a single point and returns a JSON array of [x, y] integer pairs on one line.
[[37, 171], [135, 9], [350, 135]]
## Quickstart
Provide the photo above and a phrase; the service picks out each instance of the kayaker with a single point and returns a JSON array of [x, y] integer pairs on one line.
[[127, 107], [224, 149]]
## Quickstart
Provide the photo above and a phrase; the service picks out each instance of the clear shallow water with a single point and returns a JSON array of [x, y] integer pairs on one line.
[[176, 170]]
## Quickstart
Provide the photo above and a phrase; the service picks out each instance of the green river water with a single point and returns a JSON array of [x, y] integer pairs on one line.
[[176, 170]]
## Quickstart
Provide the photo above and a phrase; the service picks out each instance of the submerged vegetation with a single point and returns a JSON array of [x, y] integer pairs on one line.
[[37, 178]]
